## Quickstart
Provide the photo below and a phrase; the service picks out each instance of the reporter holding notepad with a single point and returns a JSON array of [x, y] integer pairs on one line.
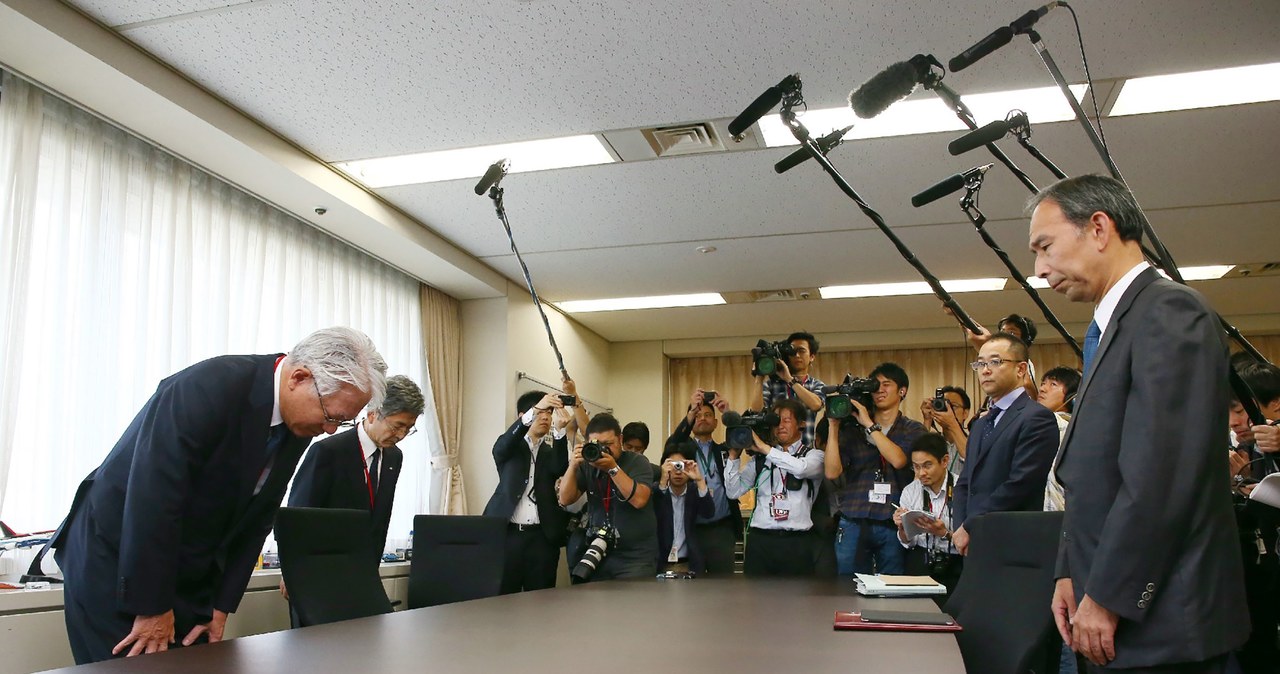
[[931, 553]]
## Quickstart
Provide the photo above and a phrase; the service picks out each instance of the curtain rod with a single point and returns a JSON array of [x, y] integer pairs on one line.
[[553, 387]]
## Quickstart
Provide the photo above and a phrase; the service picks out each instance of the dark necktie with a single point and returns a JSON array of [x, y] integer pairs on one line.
[[374, 469], [1091, 338], [992, 415], [275, 441]]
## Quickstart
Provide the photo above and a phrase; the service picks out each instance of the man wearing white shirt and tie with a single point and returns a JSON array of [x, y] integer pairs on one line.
[[781, 541], [931, 553]]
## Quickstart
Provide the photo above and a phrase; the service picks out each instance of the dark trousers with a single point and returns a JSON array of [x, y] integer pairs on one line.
[[1216, 665], [530, 560], [773, 552], [716, 541]]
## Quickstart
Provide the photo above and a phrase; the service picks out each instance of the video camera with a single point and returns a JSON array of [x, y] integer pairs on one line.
[[766, 354], [840, 396], [738, 428]]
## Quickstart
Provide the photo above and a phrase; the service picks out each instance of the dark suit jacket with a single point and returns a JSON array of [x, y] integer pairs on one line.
[[684, 431], [173, 520], [1148, 531], [1009, 470], [511, 454], [694, 507], [332, 475]]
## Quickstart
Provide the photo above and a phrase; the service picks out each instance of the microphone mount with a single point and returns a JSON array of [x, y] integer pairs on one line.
[[792, 98]]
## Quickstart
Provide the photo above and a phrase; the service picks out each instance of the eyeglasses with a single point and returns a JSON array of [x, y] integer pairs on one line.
[[994, 363], [404, 431], [340, 423]]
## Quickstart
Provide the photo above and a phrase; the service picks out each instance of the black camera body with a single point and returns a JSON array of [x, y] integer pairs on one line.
[[708, 397], [939, 402], [602, 539], [568, 400], [738, 428], [839, 397], [765, 355], [593, 451]]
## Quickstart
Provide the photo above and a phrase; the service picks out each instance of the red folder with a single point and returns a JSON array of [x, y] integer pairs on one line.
[[902, 622]]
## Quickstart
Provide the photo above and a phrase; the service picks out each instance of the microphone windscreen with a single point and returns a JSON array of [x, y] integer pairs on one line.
[[884, 89], [979, 137], [732, 419]]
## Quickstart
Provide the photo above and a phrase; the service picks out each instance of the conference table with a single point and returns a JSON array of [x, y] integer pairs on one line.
[[730, 625]]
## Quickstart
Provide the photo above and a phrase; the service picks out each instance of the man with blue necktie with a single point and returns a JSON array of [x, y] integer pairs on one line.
[[1010, 448], [1149, 571]]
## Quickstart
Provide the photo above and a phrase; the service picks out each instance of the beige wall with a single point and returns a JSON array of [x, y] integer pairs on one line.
[[638, 389]]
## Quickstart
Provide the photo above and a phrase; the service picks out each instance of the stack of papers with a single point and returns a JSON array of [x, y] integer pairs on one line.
[[1268, 491], [897, 586]]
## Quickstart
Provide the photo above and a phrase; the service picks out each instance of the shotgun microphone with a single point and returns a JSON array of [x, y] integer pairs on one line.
[[825, 143], [987, 134], [761, 106], [1000, 37], [947, 186], [493, 176]]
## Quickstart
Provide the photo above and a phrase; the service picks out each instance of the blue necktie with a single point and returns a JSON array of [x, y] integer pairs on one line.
[[1091, 338]]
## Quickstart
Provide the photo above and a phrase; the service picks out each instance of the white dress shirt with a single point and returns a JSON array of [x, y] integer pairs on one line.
[[913, 499], [739, 481], [1107, 306], [526, 511]]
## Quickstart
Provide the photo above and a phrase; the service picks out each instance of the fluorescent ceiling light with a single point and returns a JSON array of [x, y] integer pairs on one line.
[[1202, 273], [1203, 89], [927, 115], [471, 162], [655, 302], [911, 288]]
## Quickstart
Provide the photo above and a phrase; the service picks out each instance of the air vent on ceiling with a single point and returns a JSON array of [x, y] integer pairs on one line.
[[782, 295], [696, 138], [1252, 270]]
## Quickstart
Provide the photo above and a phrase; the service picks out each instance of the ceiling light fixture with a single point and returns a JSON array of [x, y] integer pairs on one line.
[[1202, 89], [654, 302], [911, 288], [471, 162], [928, 115]]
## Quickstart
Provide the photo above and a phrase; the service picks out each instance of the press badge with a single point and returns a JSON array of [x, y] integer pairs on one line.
[[780, 508], [880, 492], [674, 556]]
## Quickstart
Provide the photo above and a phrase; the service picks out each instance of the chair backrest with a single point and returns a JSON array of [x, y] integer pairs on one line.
[[327, 568], [1002, 599], [456, 558]]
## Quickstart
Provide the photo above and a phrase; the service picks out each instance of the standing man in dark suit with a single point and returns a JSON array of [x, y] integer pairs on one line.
[[163, 536], [529, 459], [718, 533], [682, 495], [359, 469], [1149, 570], [1010, 448]]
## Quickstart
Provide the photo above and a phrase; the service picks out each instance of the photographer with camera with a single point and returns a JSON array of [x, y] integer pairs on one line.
[[869, 472], [948, 412], [781, 370], [621, 532], [716, 534], [676, 507], [780, 542], [529, 457], [930, 553]]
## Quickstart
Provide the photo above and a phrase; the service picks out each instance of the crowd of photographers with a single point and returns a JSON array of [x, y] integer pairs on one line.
[[841, 479]]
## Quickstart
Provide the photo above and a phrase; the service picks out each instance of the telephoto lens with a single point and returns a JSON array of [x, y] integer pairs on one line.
[[596, 551]]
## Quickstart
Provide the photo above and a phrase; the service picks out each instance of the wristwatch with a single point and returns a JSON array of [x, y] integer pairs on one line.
[[873, 428], [614, 471]]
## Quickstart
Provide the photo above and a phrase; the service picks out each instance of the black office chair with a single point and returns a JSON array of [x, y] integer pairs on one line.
[[456, 558], [1002, 599], [327, 566]]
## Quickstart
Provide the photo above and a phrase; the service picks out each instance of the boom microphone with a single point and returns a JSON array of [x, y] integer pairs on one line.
[[1000, 37], [987, 134], [825, 143], [889, 86], [493, 176], [947, 186], [761, 106]]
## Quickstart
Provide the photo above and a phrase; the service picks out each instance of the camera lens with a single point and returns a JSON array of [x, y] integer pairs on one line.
[[839, 407]]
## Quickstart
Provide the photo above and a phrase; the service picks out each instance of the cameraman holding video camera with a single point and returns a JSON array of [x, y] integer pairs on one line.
[[781, 541], [621, 532], [785, 376]]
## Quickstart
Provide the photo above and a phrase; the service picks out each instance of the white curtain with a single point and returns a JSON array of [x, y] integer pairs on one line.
[[120, 264]]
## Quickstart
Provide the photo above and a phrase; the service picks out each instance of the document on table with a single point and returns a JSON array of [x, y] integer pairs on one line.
[[897, 586]]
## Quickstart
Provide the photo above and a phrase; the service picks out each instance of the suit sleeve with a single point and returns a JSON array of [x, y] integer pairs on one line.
[[314, 480], [960, 498], [706, 504], [180, 424], [682, 432], [1033, 452], [504, 448], [560, 454], [1173, 425], [242, 557]]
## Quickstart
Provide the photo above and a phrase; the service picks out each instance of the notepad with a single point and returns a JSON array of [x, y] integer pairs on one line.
[[1267, 492]]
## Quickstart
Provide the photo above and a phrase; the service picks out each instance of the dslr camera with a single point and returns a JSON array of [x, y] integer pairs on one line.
[[601, 540], [766, 354], [939, 401], [592, 451], [738, 428], [840, 396]]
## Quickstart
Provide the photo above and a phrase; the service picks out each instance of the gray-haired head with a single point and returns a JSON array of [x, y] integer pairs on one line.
[[402, 396], [342, 355], [1082, 196]]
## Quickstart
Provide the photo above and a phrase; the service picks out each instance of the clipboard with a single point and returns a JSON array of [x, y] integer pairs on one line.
[[896, 621]]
